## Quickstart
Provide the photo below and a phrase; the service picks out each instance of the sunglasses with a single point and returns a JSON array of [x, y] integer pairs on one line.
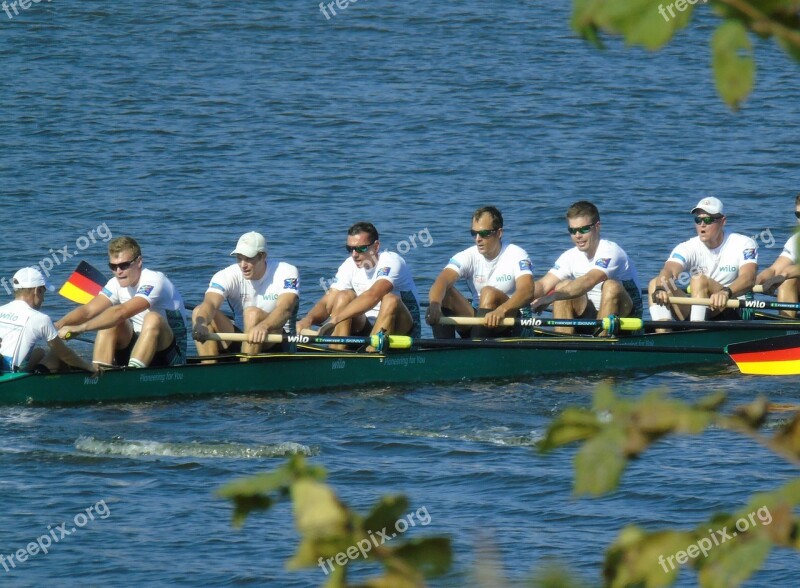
[[582, 230], [706, 220], [122, 266], [483, 234], [797, 213], [359, 248]]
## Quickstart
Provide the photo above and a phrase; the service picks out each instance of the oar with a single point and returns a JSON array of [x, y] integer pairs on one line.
[[405, 342], [775, 356], [626, 324], [736, 303]]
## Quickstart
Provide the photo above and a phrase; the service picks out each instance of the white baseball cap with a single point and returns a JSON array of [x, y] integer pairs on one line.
[[250, 244], [710, 204], [31, 277]]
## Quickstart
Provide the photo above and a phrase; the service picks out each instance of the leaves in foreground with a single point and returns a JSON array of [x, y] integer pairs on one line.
[[653, 23], [725, 550], [615, 431], [333, 537]]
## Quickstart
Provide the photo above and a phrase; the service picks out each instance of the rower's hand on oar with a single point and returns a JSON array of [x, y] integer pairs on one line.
[[200, 331], [303, 324], [771, 285], [719, 299], [494, 318], [66, 332], [660, 296], [540, 304], [257, 334], [434, 313]]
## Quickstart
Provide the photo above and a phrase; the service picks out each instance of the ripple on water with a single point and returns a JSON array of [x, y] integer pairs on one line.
[[129, 448]]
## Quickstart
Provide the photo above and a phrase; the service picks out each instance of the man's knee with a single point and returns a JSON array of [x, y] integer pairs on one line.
[[491, 297], [343, 298], [699, 281]]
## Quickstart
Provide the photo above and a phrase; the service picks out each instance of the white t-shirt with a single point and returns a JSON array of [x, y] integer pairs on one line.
[[790, 249], [720, 264], [156, 288], [280, 278], [500, 273], [21, 327], [390, 266], [610, 259]]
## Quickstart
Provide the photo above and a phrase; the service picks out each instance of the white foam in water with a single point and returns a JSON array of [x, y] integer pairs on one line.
[[125, 448]]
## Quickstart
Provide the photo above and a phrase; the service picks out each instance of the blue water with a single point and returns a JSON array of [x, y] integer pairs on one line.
[[188, 123]]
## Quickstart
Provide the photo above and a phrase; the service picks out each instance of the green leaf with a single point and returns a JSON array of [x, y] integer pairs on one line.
[[574, 424], [318, 513], [734, 66], [734, 565], [600, 462], [386, 513], [712, 401], [244, 505], [394, 579], [642, 559], [583, 20], [256, 485], [787, 438], [432, 556], [643, 22]]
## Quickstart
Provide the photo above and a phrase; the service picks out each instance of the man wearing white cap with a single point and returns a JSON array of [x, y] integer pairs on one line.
[[264, 296], [22, 326], [138, 315], [783, 276], [714, 264]]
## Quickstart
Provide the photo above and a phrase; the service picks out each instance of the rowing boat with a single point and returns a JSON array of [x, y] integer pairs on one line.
[[313, 368]]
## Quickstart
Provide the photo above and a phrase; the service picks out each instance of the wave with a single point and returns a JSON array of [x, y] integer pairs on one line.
[[125, 448], [493, 435]]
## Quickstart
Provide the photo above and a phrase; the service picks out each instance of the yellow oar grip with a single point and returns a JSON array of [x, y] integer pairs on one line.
[[396, 341], [625, 324]]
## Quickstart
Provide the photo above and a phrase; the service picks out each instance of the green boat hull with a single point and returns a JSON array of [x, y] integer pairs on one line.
[[319, 370]]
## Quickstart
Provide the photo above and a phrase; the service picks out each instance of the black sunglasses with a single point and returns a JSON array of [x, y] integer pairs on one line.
[[123, 266], [359, 248], [797, 213], [706, 220], [484, 233], [582, 230]]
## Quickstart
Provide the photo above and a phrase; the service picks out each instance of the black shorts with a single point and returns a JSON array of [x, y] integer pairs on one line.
[[166, 357]]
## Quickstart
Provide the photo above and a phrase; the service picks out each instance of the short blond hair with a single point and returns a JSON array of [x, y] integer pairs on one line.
[[120, 244]]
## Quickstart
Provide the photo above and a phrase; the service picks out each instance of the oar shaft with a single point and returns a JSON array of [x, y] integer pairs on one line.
[[736, 303], [396, 341]]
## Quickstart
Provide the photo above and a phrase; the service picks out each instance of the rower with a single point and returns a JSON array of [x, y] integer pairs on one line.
[[499, 277], [783, 276], [373, 291], [713, 264], [22, 325], [264, 295], [596, 278], [138, 315]]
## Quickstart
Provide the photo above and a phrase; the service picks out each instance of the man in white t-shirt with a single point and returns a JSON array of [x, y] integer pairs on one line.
[[499, 277], [138, 315], [264, 295], [594, 279], [783, 276], [373, 290], [714, 264], [22, 326]]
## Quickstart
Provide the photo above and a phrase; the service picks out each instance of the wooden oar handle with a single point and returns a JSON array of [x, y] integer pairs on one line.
[[272, 338], [464, 321], [733, 303]]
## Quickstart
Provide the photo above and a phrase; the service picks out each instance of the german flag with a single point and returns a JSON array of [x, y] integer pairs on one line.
[[84, 284], [774, 356]]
